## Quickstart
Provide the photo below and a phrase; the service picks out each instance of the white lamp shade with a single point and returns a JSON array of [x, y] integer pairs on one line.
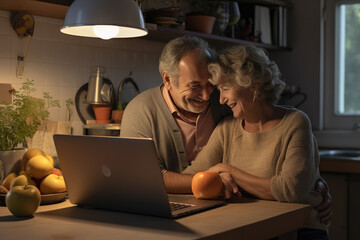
[[112, 18]]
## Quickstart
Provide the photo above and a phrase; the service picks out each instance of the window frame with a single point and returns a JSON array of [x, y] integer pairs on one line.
[[330, 119]]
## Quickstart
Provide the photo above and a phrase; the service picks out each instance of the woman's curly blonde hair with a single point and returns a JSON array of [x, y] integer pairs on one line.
[[248, 66]]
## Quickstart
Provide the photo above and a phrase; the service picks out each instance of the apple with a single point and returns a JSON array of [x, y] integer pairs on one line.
[[30, 154], [19, 181], [206, 185], [52, 184], [23, 201], [3, 190], [22, 180], [57, 171], [8, 180], [51, 160], [39, 167]]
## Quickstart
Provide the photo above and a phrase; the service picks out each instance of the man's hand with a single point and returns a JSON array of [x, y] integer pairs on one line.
[[230, 188], [325, 208]]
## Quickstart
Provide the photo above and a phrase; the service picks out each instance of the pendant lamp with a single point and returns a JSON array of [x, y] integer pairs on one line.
[[104, 19]]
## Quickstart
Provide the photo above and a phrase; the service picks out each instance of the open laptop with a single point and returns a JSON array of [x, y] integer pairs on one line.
[[121, 174]]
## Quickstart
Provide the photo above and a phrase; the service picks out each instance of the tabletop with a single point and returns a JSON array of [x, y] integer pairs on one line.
[[240, 219]]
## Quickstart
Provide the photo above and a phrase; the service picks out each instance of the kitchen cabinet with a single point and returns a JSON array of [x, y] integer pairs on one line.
[[341, 169], [354, 206], [338, 190], [344, 189], [58, 9]]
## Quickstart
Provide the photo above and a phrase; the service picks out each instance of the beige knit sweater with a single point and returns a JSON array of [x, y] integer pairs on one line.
[[287, 154]]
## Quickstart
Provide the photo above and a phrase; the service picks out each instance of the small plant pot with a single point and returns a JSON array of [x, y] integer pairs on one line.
[[200, 23], [102, 113], [117, 115], [10, 161]]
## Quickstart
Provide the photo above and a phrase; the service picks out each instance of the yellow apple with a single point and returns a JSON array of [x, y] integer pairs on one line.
[[22, 180], [8, 180], [38, 167], [52, 184], [30, 154], [23, 201], [3, 190], [51, 160]]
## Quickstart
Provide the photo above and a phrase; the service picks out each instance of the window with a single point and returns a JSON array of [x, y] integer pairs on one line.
[[341, 69], [348, 59]]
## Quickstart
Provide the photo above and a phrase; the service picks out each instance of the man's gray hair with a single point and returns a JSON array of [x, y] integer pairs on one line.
[[176, 48]]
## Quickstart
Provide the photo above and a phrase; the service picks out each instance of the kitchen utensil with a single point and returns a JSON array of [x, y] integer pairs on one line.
[[100, 89]]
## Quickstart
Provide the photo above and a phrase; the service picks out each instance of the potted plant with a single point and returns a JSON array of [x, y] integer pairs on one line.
[[121, 105], [200, 19], [21, 120]]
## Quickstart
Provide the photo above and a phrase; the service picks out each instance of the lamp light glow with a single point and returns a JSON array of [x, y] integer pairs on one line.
[[104, 19], [106, 32]]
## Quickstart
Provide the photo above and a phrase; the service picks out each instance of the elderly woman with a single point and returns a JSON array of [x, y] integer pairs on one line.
[[269, 151]]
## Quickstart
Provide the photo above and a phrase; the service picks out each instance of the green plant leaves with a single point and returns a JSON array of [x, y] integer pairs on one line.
[[23, 118]]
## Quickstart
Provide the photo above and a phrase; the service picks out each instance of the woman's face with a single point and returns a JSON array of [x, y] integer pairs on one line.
[[239, 99]]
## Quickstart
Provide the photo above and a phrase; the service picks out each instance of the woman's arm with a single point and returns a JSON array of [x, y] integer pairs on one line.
[[257, 186]]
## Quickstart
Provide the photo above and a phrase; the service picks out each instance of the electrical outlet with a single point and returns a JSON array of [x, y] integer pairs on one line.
[[5, 95]]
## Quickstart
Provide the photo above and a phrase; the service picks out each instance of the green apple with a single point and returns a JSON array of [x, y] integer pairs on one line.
[[22, 180], [52, 184], [23, 201], [19, 181]]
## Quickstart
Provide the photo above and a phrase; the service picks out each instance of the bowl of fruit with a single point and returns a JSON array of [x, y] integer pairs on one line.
[[38, 182]]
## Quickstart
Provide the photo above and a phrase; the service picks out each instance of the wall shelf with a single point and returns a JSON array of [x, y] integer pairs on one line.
[[58, 9], [267, 2], [39, 8], [164, 34]]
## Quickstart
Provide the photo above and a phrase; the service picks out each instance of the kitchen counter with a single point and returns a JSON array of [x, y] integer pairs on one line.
[[339, 166], [340, 161], [245, 219]]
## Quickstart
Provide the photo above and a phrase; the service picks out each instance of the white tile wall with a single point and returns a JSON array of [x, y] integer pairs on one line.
[[61, 64]]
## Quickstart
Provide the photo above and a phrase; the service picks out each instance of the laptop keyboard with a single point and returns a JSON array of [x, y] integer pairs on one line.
[[177, 206]]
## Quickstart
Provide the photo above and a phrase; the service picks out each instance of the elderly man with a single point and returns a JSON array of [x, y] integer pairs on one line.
[[181, 114]]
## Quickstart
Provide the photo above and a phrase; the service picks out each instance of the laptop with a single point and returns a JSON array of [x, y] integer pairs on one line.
[[120, 174]]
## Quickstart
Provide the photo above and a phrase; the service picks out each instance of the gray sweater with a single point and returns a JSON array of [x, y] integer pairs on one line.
[[287, 154], [148, 116]]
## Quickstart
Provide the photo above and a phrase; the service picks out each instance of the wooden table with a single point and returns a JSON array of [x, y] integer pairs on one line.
[[244, 219]]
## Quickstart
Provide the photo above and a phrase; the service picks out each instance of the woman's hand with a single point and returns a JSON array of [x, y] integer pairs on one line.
[[230, 188], [220, 167], [257, 186]]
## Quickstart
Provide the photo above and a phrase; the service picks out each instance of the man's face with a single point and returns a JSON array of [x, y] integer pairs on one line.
[[192, 93]]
